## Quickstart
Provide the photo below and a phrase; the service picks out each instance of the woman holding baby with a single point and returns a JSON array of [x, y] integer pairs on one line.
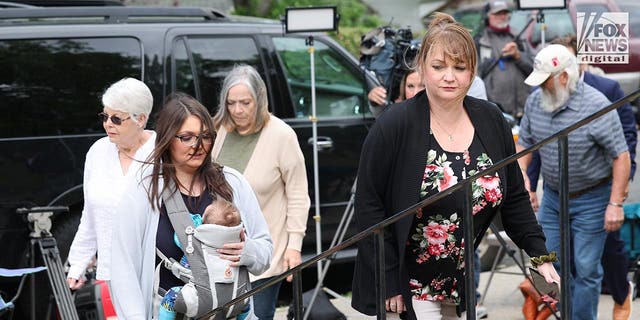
[[181, 162]]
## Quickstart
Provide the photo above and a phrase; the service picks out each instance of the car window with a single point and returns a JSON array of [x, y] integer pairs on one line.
[[209, 62], [519, 19], [339, 88], [558, 23], [53, 87]]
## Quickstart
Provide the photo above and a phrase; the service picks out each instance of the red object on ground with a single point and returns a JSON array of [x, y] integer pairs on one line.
[[107, 306]]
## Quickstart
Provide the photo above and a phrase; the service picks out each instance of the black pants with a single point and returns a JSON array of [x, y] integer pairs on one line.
[[615, 262]]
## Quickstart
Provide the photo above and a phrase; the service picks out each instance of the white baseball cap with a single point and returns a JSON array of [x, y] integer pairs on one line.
[[498, 5], [549, 61]]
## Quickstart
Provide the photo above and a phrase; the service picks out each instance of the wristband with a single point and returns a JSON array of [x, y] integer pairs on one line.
[[615, 204], [551, 257]]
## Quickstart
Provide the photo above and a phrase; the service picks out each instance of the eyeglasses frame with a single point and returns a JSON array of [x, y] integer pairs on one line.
[[103, 116], [198, 138]]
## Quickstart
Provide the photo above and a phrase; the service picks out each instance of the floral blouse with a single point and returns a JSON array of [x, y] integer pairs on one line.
[[435, 247]]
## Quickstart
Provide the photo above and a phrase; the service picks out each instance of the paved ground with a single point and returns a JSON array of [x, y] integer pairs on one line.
[[504, 300]]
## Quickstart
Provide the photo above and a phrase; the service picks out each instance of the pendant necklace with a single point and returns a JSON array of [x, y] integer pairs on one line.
[[449, 135]]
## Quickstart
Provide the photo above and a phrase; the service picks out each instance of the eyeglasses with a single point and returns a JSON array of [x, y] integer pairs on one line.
[[190, 140], [103, 116]]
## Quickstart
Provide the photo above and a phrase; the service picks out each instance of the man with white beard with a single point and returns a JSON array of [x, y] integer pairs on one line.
[[599, 168]]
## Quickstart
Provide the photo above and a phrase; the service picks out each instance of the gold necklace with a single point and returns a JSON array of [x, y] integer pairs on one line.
[[449, 134]]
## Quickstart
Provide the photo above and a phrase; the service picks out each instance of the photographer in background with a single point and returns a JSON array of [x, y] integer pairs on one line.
[[388, 54], [504, 80]]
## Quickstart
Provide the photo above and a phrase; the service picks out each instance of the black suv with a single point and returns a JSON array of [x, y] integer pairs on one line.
[[56, 62]]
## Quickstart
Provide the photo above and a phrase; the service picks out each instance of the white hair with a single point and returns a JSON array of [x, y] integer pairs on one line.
[[129, 95], [574, 74]]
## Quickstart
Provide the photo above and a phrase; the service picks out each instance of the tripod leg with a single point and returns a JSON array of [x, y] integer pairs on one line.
[[511, 252], [32, 289], [61, 292]]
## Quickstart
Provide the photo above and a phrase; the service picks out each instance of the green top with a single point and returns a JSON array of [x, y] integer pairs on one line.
[[237, 150]]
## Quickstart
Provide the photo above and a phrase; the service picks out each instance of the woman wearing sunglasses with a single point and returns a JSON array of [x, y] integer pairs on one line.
[[109, 164]]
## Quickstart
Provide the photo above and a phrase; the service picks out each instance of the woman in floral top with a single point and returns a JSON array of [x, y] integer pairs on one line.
[[423, 146]]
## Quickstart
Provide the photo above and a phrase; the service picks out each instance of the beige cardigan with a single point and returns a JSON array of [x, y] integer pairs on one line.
[[276, 172]]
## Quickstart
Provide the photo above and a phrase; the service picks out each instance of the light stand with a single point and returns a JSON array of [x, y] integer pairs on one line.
[[314, 133], [313, 19], [543, 27], [540, 6]]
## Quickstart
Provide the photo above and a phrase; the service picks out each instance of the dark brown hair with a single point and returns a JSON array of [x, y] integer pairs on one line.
[[569, 41], [176, 109]]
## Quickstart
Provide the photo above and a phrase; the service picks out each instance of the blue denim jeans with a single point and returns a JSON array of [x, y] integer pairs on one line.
[[586, 214], [264, 302]]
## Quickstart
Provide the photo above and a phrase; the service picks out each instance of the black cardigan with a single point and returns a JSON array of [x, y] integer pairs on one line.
[[391, 167]]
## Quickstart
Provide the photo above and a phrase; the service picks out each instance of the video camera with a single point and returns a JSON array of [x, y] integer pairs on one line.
[[389, 53], [406, 48]]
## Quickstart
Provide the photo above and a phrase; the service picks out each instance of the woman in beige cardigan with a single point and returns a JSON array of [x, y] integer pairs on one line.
[[266, 151]]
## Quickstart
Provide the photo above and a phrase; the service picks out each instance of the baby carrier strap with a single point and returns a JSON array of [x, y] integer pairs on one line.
[[182, 273], [184, 229]]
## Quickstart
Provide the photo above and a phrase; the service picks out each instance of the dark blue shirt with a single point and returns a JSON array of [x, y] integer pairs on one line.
[[164, 237]]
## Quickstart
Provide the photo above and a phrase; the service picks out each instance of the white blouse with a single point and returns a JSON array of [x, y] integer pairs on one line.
[[104, 184]]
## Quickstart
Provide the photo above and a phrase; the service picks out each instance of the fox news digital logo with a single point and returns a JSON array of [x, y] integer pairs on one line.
[[603, 37]]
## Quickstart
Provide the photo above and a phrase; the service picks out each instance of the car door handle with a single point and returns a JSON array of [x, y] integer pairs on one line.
[[324, 143]]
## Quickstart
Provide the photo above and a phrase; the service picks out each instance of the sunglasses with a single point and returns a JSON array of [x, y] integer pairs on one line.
[[103, 116], [190, 140]]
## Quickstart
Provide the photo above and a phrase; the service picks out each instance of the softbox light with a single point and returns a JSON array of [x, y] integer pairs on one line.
[[311, 19], [541, 4]]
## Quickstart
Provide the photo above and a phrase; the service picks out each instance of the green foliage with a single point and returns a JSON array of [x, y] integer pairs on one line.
[[355, 18], [250, 8], [349, 38]]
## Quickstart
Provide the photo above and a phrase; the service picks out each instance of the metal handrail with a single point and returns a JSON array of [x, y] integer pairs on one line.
[[465, 184]]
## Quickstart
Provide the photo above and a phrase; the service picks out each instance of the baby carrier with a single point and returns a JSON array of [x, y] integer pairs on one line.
[[207, 286]]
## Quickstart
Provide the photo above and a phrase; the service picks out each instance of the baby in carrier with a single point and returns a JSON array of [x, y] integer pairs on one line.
[[219, 224]]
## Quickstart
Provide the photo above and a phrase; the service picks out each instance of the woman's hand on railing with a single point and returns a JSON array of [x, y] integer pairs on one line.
[[395, 304], [549, 272], [292, 258]]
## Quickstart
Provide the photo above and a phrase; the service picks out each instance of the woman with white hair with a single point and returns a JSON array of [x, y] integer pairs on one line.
[[266, 151], [110, 163]]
